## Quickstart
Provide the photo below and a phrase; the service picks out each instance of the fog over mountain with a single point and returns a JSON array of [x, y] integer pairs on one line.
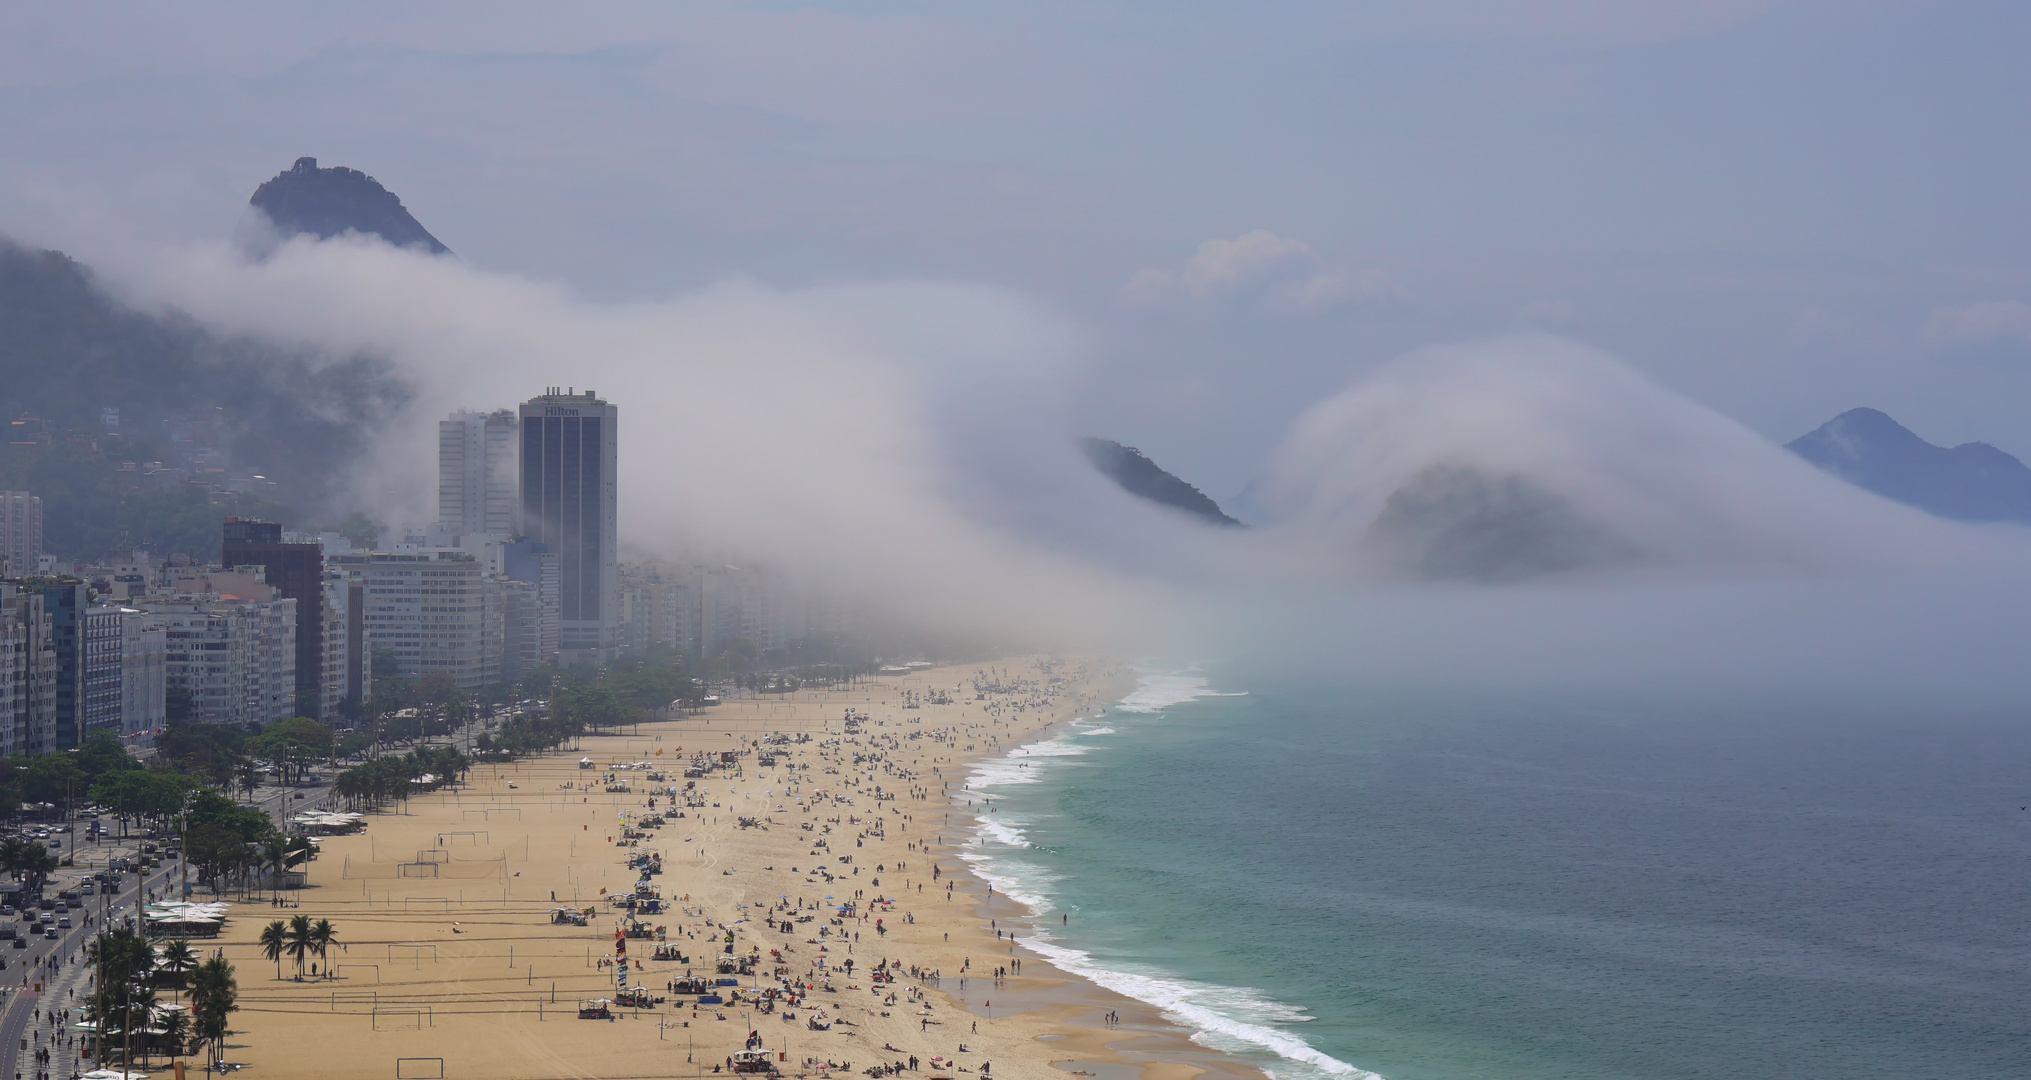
[[305, 200], [1519, 457], [892, 440]]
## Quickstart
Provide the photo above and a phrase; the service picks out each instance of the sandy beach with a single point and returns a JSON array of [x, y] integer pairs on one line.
[[445, 907]]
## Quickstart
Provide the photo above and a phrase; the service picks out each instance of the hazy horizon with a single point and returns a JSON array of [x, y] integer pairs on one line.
[[858, 277]]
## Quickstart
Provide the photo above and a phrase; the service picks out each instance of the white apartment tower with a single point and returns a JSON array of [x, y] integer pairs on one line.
[[568, 457], [476, 473], [435, 610], [144, 673], [20, 532]]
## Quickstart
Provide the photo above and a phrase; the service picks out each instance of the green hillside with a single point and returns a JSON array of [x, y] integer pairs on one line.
[[211, 409]]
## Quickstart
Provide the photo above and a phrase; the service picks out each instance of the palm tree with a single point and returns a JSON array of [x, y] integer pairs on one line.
[[176, 1032], [122, 957], [274, 858], [323, 936], [274, 942], [138, 1012], [32, 863], [300, 942], [214, 994], [177, 960]]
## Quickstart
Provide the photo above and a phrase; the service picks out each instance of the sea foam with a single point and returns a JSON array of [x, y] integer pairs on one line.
[[1229, 1018]]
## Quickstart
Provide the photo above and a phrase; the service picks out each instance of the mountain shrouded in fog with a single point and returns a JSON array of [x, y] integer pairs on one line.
[[307, 200], [161, 424], [1139, 476]]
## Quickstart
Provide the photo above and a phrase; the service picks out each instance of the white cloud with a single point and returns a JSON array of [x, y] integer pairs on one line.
[[1222, 264], [1284, 276], [1976, 323]]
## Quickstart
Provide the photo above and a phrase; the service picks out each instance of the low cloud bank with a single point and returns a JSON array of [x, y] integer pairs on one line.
[[1518, 457], [907, 444], [898, 443]]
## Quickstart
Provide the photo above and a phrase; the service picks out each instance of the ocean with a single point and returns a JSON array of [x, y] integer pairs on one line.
[[1426, 884]]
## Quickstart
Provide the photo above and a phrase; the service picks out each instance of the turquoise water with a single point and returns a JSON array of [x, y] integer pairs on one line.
[[1431, 885]]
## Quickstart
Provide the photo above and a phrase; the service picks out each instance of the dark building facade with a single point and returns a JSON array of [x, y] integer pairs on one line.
[[296, 571], [569, 453], [68, 603]]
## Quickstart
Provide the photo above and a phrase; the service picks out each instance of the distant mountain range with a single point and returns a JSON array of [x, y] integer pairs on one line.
[[1138, 475], [1970, 482], [331, 202]]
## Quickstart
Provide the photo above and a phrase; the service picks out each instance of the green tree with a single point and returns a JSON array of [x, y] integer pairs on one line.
[[28, 862], [177, 961], [138, 794], [214, 995], [53, 778], [175, 1033], [117, 1003], [302, 941], [101, 753], [274, 943], [323, 935]]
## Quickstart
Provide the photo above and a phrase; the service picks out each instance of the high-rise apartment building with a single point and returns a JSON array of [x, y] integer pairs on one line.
[[104, 671], [531, 563], [522, 623], [347, 671], [27, 673], [234, 656], [476, 473], [144, 674], [68, 605], [20, 533], [296, 571], [568, 460], [434, 610]]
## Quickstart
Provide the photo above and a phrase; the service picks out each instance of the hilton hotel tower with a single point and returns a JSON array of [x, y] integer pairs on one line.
[[568, 456]]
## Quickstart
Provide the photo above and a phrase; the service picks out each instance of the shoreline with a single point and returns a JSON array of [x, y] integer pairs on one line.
[[444, 902]]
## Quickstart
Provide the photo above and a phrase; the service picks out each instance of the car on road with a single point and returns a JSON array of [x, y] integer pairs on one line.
[[50, 932], [63, 922], [21, 943]]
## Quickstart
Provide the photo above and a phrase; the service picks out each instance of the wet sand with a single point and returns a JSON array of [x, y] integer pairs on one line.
[[444, 905]]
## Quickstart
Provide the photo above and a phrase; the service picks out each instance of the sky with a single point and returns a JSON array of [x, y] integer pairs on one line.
[[1778, 208]]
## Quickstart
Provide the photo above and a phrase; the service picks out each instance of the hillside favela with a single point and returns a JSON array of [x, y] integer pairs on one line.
[[1404, 541]]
